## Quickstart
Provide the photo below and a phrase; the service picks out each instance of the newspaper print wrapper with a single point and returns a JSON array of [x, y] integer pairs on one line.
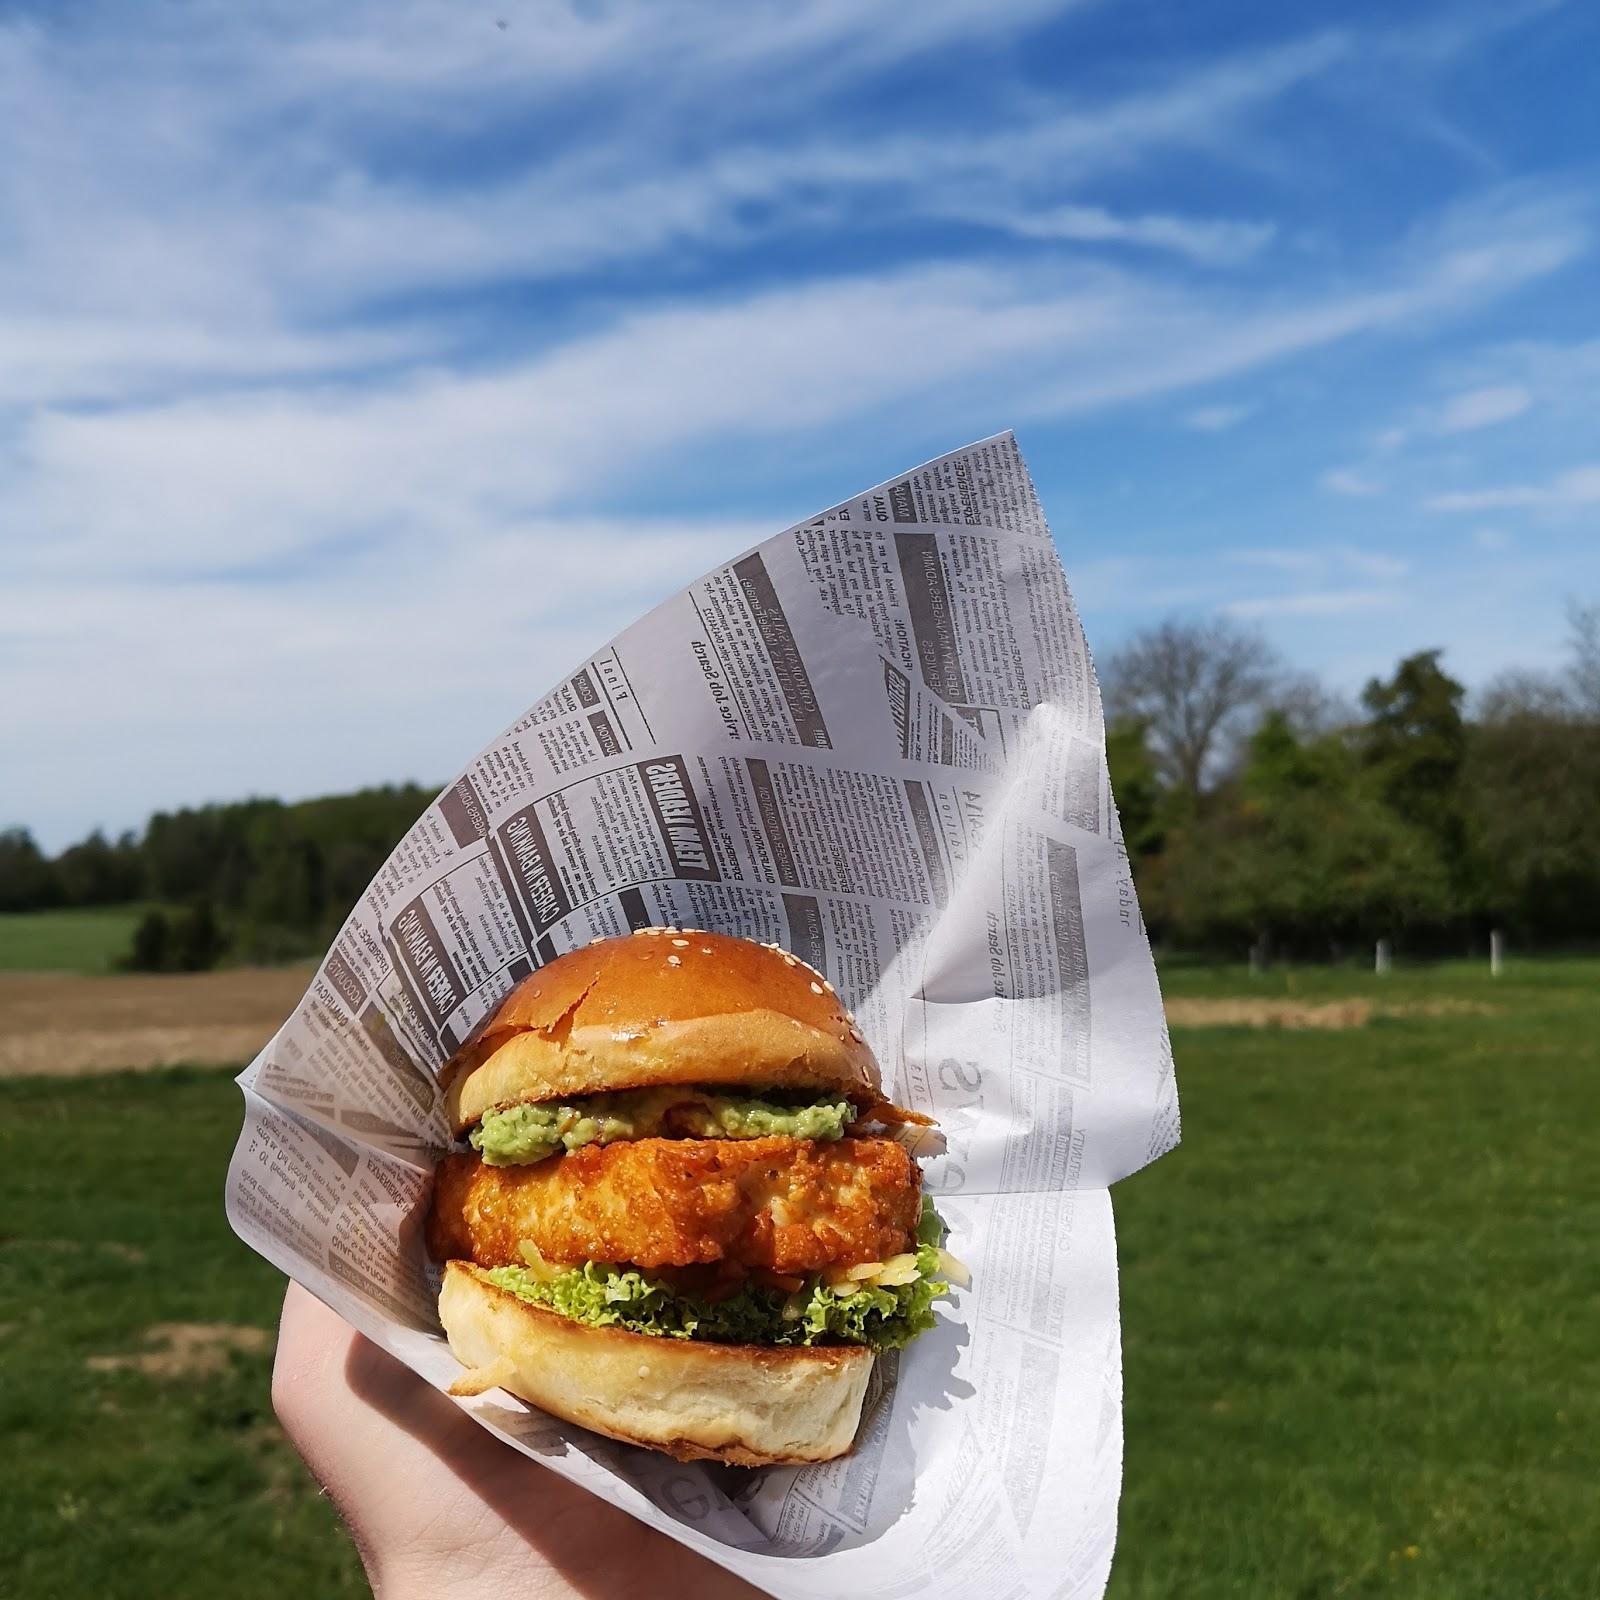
[[875, 739]]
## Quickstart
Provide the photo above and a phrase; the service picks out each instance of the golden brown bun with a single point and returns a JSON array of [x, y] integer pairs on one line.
[[743, 1404], [658, 1007]]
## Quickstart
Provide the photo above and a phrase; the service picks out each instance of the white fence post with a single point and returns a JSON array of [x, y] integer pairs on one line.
[[1497, 952], [1382, 958]]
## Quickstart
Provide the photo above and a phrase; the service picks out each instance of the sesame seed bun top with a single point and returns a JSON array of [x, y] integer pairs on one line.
[[662, 1006]]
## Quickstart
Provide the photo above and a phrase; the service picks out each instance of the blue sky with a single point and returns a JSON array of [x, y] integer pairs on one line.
[[363, 366]]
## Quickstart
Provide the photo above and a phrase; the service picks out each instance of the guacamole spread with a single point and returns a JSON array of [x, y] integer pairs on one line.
[[519, 1134]]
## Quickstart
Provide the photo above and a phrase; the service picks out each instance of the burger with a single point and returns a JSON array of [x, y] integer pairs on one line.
[[683, 1219]]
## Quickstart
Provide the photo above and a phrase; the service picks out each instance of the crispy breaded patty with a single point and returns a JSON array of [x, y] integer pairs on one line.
[[790, 1205]]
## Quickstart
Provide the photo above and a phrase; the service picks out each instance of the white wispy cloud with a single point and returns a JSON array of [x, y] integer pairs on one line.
[[451, 65], [1561, 378], [1210, 242], [1476, 252], [1313, 603], [100, 358], [173, 221], [431, 445], [1374, 563], [1498, 384], [434, 46], [1321, 560], [1215, 419], [1347, 481], [174, 214], [1479, 408], [1580, 486]]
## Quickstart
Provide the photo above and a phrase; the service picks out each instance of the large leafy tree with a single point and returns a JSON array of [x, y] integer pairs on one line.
[[1416, 738], [1302, 850]]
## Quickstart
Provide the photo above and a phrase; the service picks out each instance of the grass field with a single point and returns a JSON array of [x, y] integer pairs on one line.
[[119, 1481], [88, 940], [1362, 1300], [1360, 1314]]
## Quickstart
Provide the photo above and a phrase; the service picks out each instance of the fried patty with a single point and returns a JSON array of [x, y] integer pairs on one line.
[[789, 1205]]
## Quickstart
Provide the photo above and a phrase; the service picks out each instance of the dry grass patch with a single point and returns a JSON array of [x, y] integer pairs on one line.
[[58, 1025], [1334, 1014], [187, 1350]]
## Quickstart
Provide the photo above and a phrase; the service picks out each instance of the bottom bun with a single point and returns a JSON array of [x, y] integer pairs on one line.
[[748, 1405]]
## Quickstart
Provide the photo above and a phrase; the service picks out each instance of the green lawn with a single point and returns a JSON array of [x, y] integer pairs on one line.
[[1362, 1301], [1361, 1316], [116, 1482], [88, 940]]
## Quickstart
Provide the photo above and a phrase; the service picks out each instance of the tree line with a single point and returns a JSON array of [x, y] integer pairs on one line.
[[255, 880], [1260, 813]]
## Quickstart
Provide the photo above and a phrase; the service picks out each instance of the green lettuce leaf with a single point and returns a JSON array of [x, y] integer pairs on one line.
[[884, 1318], [607, 1296]]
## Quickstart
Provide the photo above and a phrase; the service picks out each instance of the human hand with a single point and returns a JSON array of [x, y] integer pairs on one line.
[[440, 1508]]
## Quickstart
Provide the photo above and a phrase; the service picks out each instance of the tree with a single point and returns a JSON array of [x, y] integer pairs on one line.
[[1136, 786], [96, 872], [28, 881], [1196, 686], [192, 940], [181, 849], [1415, 743], [286, 889], [1530, 786], [1301, 849], [198, 941], [150, 941], [1280, 763], [1416, 735]]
